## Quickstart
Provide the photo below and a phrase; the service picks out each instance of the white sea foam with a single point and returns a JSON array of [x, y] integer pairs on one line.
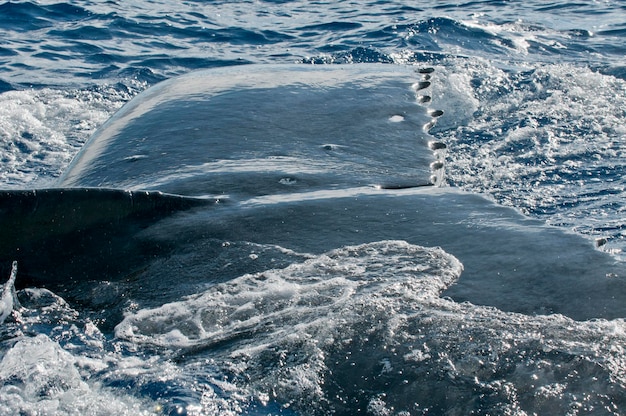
[[299, 295], [55, 362], [41, 130], [547, 140], [366, 324], [37, 376]]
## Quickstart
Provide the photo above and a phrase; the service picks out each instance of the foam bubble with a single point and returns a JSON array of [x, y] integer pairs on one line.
[[8, 299]]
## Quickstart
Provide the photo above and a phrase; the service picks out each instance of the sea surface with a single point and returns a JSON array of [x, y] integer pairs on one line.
[[533, 96]]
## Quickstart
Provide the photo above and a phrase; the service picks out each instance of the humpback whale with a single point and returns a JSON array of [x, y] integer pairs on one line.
[[185, 184]]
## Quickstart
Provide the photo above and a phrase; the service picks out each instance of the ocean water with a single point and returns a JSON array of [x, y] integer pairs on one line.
[[534, 107]]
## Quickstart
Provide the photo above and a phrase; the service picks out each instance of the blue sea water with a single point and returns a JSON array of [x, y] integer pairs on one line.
[[534, 99]]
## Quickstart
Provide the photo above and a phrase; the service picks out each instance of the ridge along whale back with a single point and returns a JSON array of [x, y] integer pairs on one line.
[[286, 156]]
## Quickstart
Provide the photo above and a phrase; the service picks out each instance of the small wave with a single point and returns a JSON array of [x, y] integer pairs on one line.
[[364, 327], [296, 295], [31, 16]]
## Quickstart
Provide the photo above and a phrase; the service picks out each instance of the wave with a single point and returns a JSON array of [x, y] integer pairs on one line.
[[359, 327], [91, 41], [364, 327]]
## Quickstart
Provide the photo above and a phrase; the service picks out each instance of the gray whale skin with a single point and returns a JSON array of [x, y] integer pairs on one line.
[[306, 158]]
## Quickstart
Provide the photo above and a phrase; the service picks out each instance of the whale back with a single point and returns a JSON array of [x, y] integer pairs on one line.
[[227, 172]]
